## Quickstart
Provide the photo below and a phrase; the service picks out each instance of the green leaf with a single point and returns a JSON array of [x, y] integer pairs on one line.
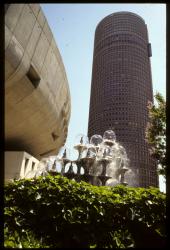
[[88, 215]]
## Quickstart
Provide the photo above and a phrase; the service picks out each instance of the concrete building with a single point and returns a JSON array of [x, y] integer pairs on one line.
[[37, 97], [121, 88], [18, 164]]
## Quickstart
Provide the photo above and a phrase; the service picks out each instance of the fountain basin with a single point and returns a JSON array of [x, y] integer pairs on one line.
[[109, 143], [104, 160], [80, 147]]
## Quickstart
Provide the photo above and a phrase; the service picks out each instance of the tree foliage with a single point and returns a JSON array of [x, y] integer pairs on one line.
[[156, 131], [53, 211]]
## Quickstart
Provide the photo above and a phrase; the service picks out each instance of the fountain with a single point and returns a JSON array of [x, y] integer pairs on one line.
[[102, 159]]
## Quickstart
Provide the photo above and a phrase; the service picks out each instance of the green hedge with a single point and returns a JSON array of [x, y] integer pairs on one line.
[[53, 211]]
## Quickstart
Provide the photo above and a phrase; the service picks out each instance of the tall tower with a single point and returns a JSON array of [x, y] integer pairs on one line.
[[121, 88]]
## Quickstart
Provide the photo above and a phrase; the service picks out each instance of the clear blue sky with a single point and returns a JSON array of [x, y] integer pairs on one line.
[[73, 27]]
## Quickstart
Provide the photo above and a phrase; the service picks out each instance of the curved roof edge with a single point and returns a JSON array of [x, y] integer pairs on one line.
[[120, 12]]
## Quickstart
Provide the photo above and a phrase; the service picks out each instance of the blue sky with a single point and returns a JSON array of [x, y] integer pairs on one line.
[[73, 27]]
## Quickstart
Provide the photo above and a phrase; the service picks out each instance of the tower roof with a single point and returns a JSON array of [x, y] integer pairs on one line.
[[120, 13]]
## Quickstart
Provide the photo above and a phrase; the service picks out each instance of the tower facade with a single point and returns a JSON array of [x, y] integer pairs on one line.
[[121, 88]]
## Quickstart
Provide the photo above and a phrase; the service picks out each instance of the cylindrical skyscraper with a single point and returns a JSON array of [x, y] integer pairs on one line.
[[121, 88]]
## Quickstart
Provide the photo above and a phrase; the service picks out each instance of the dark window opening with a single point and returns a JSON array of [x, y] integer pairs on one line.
[[26, 164], [33, 77], [33, 166], [54, 136]]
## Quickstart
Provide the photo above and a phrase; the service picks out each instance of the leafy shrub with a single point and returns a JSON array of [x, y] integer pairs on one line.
[[53, 211]]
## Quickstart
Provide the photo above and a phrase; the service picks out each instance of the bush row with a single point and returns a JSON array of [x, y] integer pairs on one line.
[[53, 211]]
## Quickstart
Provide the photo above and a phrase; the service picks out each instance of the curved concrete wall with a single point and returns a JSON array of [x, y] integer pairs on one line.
[[37, 97]]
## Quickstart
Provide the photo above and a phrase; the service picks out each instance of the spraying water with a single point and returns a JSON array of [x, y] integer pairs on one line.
[[100, 161]]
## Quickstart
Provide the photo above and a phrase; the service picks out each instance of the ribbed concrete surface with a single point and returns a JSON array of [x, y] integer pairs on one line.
[[37, 97]]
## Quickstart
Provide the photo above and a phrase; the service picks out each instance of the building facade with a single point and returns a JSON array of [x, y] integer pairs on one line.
[[37, 96], [121, 88]]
